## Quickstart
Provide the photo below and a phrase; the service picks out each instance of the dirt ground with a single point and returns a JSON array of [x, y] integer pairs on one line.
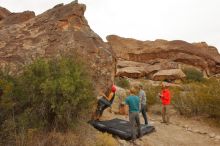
[[181, 132]]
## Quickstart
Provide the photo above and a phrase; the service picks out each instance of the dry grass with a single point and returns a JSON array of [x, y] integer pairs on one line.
[[84, 135], [198, 98], [105, 139], [48, 139]]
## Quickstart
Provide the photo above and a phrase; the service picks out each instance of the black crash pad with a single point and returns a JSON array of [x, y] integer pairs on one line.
[[119, 127]]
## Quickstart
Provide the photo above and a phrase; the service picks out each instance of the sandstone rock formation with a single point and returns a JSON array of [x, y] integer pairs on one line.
[[145, 58], [134, 69], [16, 18], [170, 74], [59, 31], [4, 13], [8, 18]]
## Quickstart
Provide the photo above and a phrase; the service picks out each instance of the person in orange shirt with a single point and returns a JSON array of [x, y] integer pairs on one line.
[[165, 99], [104, 102]]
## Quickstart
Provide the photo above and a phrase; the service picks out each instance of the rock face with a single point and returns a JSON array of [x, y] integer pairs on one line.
[[8, 18], [59, 31], [170, 74], [145, 58], [16, 18], [4, 13]]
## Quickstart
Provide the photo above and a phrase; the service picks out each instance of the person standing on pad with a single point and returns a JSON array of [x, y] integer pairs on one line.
[[143, 101], [132, 102]]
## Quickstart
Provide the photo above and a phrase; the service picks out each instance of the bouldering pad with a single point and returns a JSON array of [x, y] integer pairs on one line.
[[119, 127]]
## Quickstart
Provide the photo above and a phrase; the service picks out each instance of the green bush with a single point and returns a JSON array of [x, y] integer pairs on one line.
[[105, 139], [7, 103], [7, 111], [48, 95], [198, 98], [152, 94], [54, 93], [193, 74], [122, 82]]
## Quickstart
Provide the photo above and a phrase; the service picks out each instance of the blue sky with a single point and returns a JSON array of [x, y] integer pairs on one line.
[[189, 20]]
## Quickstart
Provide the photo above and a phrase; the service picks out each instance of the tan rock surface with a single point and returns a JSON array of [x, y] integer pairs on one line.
[[199, 55], [134, 69], [60, 31], [169, 74], [16, 18], [4, 13]]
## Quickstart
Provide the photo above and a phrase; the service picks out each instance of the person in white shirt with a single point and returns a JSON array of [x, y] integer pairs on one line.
[[143, 102]]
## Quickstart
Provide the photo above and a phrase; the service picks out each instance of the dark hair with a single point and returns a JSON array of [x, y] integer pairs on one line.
[[1, 92]]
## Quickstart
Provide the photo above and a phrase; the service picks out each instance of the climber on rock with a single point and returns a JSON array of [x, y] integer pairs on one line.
[[104, 102]]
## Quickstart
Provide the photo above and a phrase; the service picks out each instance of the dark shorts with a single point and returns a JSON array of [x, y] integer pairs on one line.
[[104, 101]]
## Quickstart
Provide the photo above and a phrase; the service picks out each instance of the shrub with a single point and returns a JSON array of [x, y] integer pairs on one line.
[[7, 111], [198, 98], [193, 74], [105, 139], [152, 94], [54, 93], [48, 95], [122, 82]]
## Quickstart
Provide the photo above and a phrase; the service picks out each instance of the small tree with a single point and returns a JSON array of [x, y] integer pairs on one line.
[[122, 82], [152, 94], [53, 94], [198, 98], [193, 74], [7, 112]]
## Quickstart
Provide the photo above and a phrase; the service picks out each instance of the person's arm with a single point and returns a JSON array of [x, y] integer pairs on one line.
[[160, 95], [110, 96], [144, 95], [126, 111], [126, 108], [102, 94]]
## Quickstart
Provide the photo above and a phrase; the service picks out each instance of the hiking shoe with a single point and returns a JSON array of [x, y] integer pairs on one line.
[[134, 143], [140, 139], [150, 123], [167, 123], [139, 135]]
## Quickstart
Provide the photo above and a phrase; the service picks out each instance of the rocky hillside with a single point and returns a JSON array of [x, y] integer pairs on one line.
[[62, 30], [145, 58], [4, 13]]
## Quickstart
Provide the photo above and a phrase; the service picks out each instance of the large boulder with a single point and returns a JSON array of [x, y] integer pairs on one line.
[[16, 18], [170, 74], [134, 69], [130, 69], [132, 72], [8, 18], [62, 30], [4, 13], [175, 53]]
